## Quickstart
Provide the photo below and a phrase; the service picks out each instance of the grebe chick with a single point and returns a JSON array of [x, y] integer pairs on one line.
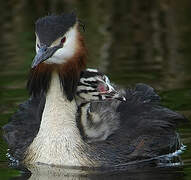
[[96, 98]]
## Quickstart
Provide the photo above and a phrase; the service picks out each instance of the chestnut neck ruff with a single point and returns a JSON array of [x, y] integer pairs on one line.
[[69, 73]]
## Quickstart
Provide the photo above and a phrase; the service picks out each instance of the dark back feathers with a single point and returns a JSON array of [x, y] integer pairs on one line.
[[24, 125], [146, 129]]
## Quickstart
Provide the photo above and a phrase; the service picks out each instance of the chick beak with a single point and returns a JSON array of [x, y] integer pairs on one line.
[[113, 94], [116, 95], [43, 54]]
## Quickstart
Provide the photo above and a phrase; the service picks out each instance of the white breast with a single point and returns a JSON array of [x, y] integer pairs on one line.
[[58, 140]]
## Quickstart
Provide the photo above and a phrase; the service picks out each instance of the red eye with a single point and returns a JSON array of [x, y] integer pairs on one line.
[[102, 87], [63, 40]]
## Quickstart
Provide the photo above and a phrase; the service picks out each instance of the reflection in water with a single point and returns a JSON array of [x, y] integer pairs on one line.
[[132, 41], [145, 169], [139, 171]]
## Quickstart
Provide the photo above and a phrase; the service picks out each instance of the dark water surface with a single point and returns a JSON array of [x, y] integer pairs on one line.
[[130, 40]]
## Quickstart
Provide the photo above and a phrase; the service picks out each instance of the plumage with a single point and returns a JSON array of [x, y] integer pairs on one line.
[[28, 120], [97, 119], [24, 125], [141, 112], [146, 129]]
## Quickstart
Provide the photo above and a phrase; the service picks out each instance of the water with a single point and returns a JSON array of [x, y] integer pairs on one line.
[[131, 41]]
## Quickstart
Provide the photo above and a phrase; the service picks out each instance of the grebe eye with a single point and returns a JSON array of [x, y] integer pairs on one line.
[[63, 40], [38, 45]]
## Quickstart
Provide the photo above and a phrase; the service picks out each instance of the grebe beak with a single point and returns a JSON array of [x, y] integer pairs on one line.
[[43, 54]]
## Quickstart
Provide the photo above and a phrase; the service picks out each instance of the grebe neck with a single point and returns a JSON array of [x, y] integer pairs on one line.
[[58, 140]]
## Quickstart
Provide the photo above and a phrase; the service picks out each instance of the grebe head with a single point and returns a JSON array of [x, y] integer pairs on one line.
[[56, 39], [95, 86], [59, 48]]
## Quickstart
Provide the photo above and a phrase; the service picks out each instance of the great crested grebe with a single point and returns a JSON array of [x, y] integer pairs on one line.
[[48, 120]]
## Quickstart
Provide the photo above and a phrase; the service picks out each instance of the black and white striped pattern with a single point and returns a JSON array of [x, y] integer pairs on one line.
[[96, 118], [88, 86]]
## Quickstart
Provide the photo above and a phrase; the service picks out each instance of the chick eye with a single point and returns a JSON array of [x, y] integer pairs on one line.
[[63, 40]]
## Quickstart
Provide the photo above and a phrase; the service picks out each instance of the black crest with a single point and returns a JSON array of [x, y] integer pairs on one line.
[[49, 28]]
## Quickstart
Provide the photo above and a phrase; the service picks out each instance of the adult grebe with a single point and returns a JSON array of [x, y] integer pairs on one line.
[[145, 128]]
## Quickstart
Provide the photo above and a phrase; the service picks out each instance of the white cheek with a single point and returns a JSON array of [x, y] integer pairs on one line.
[[67, 51], [61, 55], [37, 49]]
